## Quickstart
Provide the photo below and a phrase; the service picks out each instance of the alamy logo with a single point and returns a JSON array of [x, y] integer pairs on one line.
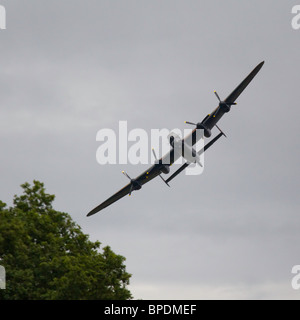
[[2, 18], [2, 277], [132, 147], [296, 18]]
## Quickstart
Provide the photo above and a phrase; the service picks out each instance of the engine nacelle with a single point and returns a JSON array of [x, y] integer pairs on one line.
[[165, 169], [224, 106], [207, 132], [136, 185]]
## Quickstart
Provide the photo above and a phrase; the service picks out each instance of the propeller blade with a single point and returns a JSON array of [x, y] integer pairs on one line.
[[164, 181], [130, 190], [215, 92], [153, 151], [192, 123], [221, 131], [125, 174], [200, 164], [177, 172]]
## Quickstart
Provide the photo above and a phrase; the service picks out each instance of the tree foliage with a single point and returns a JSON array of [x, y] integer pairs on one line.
[[47, 256]]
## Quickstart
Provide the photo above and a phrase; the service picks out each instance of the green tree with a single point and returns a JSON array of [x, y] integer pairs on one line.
[[47, 256]]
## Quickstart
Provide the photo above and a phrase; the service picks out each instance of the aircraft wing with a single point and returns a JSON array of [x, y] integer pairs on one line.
[[118, 195], [143, 178], [211, 120], [242, 86]]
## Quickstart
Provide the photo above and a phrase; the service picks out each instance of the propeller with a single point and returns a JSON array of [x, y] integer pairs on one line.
[[157, 161], [223, 104], [228, 104], [131, 182], [154, 154]]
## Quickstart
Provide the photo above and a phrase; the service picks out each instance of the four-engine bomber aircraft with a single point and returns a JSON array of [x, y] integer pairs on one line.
[[163, 166]]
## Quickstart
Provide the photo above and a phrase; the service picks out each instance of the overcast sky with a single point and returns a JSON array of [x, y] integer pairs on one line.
[[70, 68]]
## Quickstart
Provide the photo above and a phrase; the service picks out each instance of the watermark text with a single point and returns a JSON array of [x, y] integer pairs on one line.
[[296, 18], [2, 17], [296, 278], [168, 147]]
